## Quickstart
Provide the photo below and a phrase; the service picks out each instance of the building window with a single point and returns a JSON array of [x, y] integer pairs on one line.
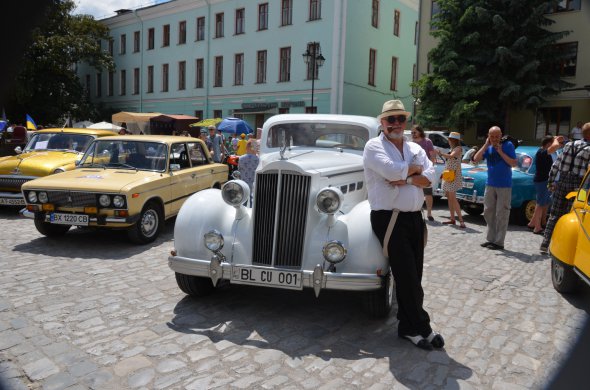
[[217, 114], [111, 45], [375, 14], [564, 6], [261, 67], [110, 83], [372, 62], [136, 41], [286, 12], [416, 31], [219, 25], [283, 110], [87, 85], [285, 64], [165, 75], [315, 9], [123, 82], [263, 16], [150, 79], [98, 84], [569, 58], [151, 33], [199, 72], [393, 85], [434, 11], [312, 73], [218, 82], [199, 114], [166, 35], [123, 44], [396, 21], [136, 81], [182, 32], [240, 14], [239, 69], [553, 120], [182, 75], [200, 29]]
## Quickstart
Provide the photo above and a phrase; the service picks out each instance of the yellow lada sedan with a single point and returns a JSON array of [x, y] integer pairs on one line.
[[570, 243], [48, 151], [130, 182]]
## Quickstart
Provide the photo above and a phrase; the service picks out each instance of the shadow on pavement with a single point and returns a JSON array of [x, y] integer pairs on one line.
[[331, 327]]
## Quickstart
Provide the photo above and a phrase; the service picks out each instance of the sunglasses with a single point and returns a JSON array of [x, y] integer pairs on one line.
[[399, 118]]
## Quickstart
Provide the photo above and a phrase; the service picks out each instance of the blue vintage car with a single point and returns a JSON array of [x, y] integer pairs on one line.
[[523, 189]]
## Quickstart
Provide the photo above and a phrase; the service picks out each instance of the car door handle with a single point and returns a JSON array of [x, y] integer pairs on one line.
[[194, 175]]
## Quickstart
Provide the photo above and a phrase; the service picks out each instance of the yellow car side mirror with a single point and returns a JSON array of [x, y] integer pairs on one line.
[[572, 195]]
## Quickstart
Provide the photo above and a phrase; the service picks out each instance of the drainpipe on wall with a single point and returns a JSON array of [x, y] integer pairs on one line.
[[140, 61], [208, 32], [415, 105]]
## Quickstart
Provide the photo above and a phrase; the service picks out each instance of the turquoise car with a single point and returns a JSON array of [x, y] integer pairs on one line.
[[523, 189]]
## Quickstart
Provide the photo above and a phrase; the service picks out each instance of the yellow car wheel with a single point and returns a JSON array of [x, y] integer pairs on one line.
[[149, 225], [51, 230], [563, 277]]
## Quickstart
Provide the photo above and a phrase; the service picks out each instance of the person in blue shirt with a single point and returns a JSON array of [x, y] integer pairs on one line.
[[500, 158]]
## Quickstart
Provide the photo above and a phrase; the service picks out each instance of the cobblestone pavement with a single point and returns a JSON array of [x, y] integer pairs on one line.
[[94, 311]]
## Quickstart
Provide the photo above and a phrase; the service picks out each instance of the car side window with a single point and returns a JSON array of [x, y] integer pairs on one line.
[[438, 140], [196, 154], [179, 156]]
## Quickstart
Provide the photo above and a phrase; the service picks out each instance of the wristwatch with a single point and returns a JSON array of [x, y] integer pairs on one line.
[[409, 180]]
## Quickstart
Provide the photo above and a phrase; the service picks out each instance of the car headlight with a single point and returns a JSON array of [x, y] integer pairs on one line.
[[118, 201], [104, 200], [334, 251], [235, 192], [329, 200], [213, 240], [43, 198], [32, 197], [59, 170]]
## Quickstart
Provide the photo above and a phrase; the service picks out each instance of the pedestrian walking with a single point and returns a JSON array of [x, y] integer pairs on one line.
[[216, 145], [450, 187], [419, 137], [396, 171], [570, 167], [500, 158]]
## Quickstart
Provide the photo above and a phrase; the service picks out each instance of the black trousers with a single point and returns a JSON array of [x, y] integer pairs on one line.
[[406, 258]]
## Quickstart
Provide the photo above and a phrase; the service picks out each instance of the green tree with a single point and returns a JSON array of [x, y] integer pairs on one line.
[[47, 86], [493, 56]]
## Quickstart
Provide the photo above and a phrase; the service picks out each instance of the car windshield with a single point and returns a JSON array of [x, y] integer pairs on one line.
[[126, 154], [318, 135], [59, 141]]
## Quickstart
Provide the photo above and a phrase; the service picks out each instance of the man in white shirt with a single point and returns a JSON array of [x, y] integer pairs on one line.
[[396, 172], [576, 132]]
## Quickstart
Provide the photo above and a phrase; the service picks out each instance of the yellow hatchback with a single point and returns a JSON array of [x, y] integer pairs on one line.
[[570, 243], [130, 182]]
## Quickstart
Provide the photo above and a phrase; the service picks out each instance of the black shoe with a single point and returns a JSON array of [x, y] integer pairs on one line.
[[486, 244], [496, 247], [419, 342], [436, 340]]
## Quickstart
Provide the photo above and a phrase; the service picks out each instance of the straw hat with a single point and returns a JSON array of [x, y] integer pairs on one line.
[[455, 135], [393, 107]]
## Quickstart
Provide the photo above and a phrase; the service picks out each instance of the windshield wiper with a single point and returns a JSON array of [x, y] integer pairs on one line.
[[123, 165], [92, 165]]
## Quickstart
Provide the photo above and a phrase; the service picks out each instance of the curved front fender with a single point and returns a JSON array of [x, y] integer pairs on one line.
[[565, 237]]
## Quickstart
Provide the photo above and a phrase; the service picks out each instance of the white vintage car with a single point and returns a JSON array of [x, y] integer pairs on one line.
[[310, 222]]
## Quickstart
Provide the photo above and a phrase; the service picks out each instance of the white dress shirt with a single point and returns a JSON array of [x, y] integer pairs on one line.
[[383, 162]]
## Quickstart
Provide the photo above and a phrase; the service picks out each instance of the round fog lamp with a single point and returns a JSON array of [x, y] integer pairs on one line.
[[213, 240], [118, 201], [32, 196], [104, 200], [334, 252], [43, 198], [329, 200]]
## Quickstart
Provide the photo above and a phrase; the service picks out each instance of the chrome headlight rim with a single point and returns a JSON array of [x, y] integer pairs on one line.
[[331, 195], [104, 200], [32, 197], [235, 192], [119, 201], [334, 251], [43, 197], [213, 240]]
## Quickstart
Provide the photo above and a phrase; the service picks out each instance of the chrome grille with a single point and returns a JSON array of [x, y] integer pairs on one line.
[[14, 182], [280, 217], [71, 198]]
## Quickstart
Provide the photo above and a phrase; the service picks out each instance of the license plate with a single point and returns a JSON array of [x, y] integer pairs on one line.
[[467, 184], [67, 219], [267, 277], [12, 201]]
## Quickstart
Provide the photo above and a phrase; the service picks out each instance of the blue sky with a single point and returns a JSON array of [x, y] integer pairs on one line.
[[106, 8]]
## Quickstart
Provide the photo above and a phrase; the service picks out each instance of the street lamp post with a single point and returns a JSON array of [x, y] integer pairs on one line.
[[314, 60]]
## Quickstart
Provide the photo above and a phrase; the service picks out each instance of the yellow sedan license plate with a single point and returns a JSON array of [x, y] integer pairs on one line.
[[67, 219], [267, 277]]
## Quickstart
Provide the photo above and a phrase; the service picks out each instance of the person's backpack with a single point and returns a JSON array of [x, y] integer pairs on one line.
[[509, 138]]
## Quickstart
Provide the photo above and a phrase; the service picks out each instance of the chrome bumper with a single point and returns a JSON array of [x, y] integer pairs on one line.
[[318, 279], [11, 199], [473, 198]]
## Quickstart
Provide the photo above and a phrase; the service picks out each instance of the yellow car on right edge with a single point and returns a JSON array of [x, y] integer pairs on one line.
[[570, 243]]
